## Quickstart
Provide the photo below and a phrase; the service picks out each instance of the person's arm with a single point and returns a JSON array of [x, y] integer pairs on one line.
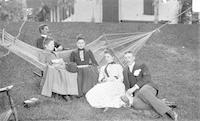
[[72, 57], [58, 46], [126, 81], [39, 43], [92, 58], [144, 77], [45, 58], [120, 73], [101, 75]]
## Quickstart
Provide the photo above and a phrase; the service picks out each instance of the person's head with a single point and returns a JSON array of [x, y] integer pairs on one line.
[[109, 56], [49, 44], [44, 29], [129, 57], [80, 42]]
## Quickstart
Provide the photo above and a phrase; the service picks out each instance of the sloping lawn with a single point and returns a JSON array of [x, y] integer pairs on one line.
[[174, 68]]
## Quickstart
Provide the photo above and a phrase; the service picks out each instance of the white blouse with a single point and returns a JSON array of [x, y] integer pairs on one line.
[[114, 70]]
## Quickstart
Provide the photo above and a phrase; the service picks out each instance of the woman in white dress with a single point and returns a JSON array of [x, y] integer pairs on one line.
[[106, 94]]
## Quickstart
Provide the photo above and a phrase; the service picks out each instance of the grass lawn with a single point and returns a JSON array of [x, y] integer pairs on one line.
[[173, 68]]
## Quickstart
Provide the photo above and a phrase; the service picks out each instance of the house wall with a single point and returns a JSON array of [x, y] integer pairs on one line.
[[83, 10], [195, 5], [132, 10], [86, 11], [169, 11], [116, 10]]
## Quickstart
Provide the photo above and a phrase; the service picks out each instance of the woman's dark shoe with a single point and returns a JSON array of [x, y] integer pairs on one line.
[[66, 98], [170, 104], [105, 109]]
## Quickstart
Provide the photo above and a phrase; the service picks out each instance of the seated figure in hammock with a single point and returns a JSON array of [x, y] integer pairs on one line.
[[106, 94], [87, 67], [44, 33], [56, 78]]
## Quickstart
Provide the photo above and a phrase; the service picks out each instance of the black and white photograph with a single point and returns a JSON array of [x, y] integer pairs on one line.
[[99, 60]]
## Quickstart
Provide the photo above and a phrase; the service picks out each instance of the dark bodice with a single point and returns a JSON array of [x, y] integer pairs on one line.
[[88, 57]]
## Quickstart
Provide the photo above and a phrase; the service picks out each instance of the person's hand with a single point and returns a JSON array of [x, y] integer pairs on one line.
[[137, 72], [98, 68], [129, 92], [59, 48], [62, 62], [102, 81], [59, 66]]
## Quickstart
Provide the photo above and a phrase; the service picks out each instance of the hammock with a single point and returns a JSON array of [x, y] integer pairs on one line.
[[119, 43]]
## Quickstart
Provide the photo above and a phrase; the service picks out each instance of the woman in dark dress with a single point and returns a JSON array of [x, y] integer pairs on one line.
[[87, 67]]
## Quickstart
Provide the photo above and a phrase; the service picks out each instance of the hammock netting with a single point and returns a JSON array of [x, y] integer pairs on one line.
[[118, 43]]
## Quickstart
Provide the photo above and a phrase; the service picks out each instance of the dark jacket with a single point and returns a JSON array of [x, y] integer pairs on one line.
[[142, 79], [40, 41]]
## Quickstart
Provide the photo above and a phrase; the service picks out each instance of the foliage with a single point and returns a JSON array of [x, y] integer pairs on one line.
[[43, 14], [188, 17], [11, 10]]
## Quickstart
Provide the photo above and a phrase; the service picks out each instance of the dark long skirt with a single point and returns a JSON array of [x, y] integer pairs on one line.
[[87, 78]]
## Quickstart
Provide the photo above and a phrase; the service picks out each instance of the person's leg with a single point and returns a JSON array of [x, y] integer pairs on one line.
[[80, 82], [148, 95], [135, 102], [138, 104]]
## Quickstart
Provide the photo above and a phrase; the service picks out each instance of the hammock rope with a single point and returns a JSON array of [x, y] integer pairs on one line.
[[3, 39], [158, 29], [114, 53]]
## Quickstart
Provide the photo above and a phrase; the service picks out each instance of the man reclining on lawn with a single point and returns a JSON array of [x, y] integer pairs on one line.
[[141, 91]]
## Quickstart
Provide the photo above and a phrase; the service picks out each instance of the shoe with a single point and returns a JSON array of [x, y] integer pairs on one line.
[[73, 97], [66, 98], [154, 115], [56, 96], [78, 96], [170, 104], [105, 109], [125, 100], [173, 115]]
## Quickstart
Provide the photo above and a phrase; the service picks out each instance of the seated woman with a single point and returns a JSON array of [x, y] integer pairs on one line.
[[56, 78], [87, 67], [110, 87]]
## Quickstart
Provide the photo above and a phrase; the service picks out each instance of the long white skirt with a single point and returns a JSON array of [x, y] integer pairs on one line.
[[106, 94]]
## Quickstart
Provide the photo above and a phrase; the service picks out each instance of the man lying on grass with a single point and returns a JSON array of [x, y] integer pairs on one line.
[[141, 92]]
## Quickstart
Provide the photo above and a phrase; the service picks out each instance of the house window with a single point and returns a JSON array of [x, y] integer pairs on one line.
[[148, 7]]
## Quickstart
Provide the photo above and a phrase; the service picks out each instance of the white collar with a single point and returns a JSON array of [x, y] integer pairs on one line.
[[131, 66], [43, 35]]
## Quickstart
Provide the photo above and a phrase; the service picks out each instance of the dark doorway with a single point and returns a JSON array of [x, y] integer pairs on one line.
[[110, 10], [148, 7]]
